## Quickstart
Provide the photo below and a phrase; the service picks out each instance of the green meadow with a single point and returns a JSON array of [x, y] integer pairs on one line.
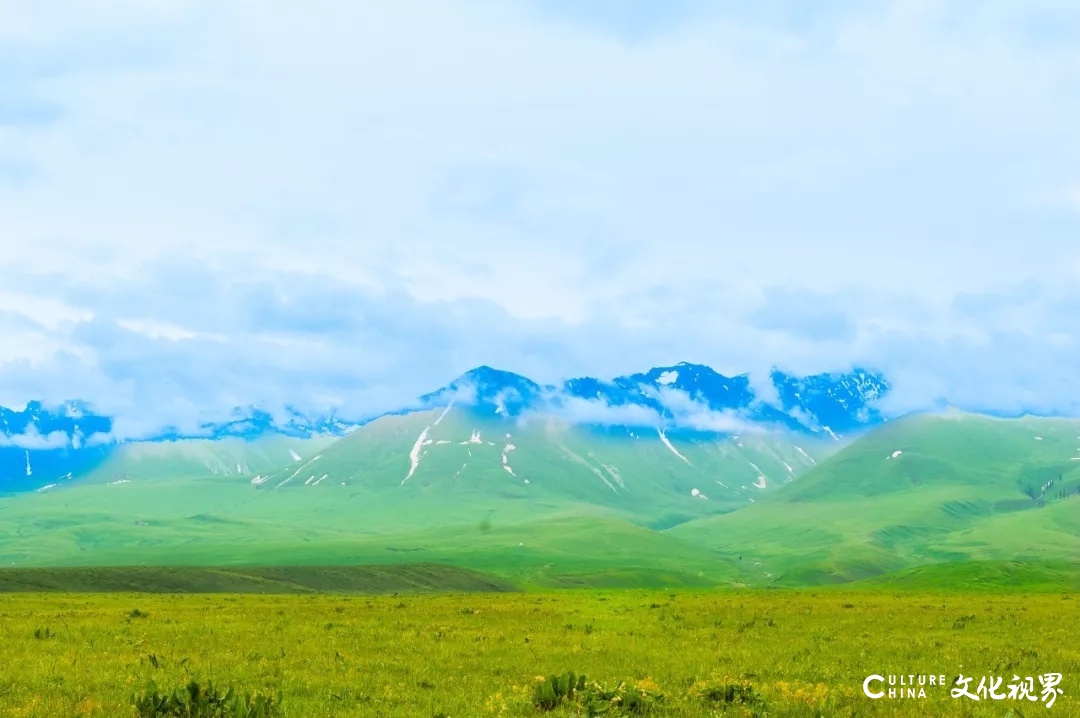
[[691, 653]]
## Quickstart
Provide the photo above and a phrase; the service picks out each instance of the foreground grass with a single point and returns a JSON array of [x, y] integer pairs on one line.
[[479, 654]]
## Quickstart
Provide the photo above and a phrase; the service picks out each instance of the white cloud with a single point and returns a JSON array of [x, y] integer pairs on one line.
[[371, 199], [728, 422], [685, 413], [1071, 197], [32, 439], [575, 410], [44, 310], [689, 413], [163, 330]]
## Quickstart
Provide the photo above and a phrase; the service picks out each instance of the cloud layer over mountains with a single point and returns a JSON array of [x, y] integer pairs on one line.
[[684, 398]]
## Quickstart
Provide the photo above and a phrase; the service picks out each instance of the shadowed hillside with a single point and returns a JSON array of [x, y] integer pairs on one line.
[[271, 580]]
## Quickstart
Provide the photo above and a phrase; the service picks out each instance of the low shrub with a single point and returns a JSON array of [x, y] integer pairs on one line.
[[593, 698], [196, 701]]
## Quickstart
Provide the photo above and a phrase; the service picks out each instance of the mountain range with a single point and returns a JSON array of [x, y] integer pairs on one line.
[[40, 446], [675, 476]]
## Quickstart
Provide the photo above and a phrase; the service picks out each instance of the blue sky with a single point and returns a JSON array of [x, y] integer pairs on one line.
[[207, 204]]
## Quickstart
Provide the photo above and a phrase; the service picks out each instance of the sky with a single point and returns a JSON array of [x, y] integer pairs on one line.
[[344, 205]]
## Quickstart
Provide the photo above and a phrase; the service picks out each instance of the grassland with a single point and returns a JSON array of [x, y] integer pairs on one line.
[[803, 653], [972, 577], [409, 578], [574, 550]]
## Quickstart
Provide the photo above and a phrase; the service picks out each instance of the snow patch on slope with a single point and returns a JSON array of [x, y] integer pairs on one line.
[[443, 414], [613, 472], [414, 454], [762, 481], [589, 466], [604, 478], [506, 459], [297, 472], [667, 443]]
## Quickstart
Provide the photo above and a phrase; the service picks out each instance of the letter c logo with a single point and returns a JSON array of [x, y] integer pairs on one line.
[[866, 686]]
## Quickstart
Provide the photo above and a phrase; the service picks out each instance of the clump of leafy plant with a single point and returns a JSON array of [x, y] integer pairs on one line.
[[196, 701], [42, 633], [593, 698], [962, 622], [727, 692]]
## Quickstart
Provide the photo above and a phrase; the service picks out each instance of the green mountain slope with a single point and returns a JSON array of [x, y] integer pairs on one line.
[[194, 458], [539, 502], [924, 489], [536, 501], [432, 461]]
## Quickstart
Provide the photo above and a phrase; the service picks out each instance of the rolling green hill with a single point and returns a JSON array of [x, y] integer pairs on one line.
[[191, 458], [538, 502], [446, 458], [1028, 576], [924, 489], [541, 503]]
